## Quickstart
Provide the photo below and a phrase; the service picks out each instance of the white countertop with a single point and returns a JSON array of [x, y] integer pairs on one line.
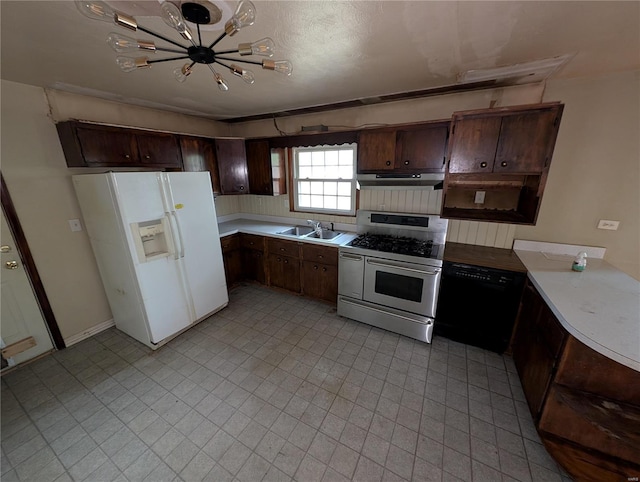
[[599, 306], [268, 228]]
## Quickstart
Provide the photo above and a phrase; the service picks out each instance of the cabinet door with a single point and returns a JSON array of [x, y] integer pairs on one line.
[[473, 144], [198, 154], [421, 150], [232, 256], [284, 272], [159, 150], [232, 166], [320, 281], [524, 142], [266, 168], [532, 354], [107, 147], [254, 265], [376, 151]]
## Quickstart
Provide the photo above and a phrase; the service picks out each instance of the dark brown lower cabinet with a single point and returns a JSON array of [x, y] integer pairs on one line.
[[320, 272], [320, 281], [585, 405], [254, 268], [232, 257], [284, 272]]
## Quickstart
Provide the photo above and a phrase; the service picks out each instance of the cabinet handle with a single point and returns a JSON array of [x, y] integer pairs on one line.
[[324, 269], [503, 164], [388, 163], [320, 256], [315, 266], [282, 249], [127, 156], [406, 163], [483, 164], [147, 157], [286, 261]]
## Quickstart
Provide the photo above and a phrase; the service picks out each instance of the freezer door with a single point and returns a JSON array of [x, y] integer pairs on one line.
[[195, 216], [161, 281]]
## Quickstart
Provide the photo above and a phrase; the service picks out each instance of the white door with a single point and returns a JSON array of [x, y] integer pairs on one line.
[[21, 319]]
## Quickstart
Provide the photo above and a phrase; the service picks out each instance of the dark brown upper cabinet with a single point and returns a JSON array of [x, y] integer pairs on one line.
[[94, 145], [231, 161], [266, 168], [412, 148], [198, 154], [498, 162], [511, 140]]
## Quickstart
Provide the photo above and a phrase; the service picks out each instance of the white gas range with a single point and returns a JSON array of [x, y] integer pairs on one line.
[[389, 275]]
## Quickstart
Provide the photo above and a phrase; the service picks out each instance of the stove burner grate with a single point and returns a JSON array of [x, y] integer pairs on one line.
[[394, 244]]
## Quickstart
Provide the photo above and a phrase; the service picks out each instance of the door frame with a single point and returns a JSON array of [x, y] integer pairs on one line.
[[29, 265]]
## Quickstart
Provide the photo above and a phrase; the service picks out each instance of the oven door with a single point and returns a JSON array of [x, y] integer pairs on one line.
[[404, 286]]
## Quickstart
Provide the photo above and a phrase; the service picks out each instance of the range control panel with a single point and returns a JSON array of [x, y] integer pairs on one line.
[[478, 273]]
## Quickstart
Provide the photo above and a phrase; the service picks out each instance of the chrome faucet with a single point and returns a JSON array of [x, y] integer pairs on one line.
[[317, 227]]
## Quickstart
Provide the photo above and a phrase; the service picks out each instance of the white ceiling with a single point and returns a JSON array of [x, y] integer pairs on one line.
[[340, 50]]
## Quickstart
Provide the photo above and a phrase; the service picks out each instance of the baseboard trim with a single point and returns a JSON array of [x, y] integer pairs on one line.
[[105, 325]]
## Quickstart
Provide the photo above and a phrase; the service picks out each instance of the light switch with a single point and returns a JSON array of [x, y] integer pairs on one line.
[[75, 225]]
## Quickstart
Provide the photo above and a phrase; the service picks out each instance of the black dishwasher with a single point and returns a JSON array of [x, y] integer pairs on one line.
[[478, 305]]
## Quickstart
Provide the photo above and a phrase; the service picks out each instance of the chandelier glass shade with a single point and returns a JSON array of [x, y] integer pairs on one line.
[[194, 53]]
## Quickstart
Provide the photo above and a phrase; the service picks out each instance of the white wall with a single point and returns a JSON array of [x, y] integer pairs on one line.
[[39, 182], [595, 173]]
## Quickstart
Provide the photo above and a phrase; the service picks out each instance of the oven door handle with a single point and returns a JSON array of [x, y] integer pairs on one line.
[[353, 257], [414, 270], [348, 302]]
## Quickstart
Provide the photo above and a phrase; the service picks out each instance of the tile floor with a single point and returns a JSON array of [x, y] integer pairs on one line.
[[274, 388]]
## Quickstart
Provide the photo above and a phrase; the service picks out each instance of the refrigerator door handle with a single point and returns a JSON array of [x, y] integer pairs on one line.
[[175, 218]]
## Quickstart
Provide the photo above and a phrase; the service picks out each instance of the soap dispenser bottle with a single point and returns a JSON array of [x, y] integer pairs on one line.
[[580, 263]]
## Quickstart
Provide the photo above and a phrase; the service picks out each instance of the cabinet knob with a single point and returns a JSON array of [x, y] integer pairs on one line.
[[279, 259], [315, 266], [503, 164], [147, 157], [320, 256], [388, 163], [324, 269], [282, 249], [483, 164], [127, 156], [242, 188], [286, 261], [406, 163]]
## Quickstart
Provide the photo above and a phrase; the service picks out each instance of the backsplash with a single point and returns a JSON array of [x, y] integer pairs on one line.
[[420, 201]]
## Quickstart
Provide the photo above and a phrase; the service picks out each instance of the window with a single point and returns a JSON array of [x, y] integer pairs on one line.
[[324, 179]]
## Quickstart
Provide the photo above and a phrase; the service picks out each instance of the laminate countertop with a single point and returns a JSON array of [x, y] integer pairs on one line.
[[484, 256], [269, 228], [599, 306]]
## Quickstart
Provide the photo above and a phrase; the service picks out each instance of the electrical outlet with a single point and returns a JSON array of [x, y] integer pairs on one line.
[[608, 224], [479, 199], [75, 225]]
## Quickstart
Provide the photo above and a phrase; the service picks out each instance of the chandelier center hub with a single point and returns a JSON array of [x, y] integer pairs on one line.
[[201, 55]]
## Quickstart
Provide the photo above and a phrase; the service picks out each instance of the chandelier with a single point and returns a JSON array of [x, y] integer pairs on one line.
[[196, 52]]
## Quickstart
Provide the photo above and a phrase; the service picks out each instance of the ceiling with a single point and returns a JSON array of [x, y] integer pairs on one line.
[[340, 50]]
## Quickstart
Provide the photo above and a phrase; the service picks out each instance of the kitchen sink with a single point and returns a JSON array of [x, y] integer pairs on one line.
[[324, 234], [296, 231]]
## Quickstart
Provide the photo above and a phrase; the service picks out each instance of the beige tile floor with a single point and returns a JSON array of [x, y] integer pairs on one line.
[[275, 387]]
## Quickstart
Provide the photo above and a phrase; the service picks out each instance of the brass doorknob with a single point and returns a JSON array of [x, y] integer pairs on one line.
[[11, 265]]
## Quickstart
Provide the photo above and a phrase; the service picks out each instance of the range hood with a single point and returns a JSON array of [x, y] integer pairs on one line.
[[425, 179]]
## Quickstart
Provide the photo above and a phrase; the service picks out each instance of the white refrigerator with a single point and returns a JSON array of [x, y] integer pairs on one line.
[[156, 242]]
